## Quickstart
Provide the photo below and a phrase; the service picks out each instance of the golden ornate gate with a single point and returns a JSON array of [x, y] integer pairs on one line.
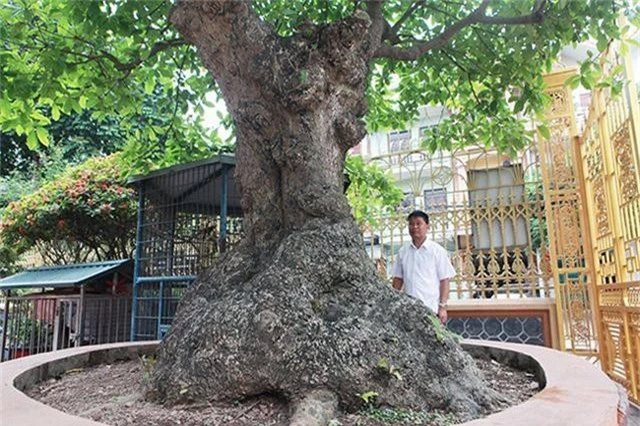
[[568, 232], [610, 157]]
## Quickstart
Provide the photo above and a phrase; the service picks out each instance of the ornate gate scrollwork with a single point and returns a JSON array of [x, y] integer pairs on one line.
[[568, 234], [609, 154]]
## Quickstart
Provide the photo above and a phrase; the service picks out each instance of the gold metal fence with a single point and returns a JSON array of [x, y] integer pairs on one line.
[[485, 208], [567, 227], [610, 157]]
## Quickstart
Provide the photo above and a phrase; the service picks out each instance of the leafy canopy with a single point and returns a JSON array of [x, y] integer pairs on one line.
[[60, 57], [79, 136], [64, 57]]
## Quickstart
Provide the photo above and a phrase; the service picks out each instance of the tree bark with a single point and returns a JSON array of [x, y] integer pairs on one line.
[[297, 307]]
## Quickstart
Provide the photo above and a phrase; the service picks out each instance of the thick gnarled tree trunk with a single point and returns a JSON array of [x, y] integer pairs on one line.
[[297, 306]]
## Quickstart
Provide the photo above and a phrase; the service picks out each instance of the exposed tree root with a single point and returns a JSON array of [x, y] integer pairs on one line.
[[316, 408], [313, 315]]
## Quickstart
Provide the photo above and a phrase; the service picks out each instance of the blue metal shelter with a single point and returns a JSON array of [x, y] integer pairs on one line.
[[187, 215]]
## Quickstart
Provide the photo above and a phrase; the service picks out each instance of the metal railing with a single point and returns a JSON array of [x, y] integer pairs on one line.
[[35, 324], [487, 209]]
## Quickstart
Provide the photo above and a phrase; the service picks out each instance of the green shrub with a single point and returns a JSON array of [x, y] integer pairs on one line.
[[86, 213]]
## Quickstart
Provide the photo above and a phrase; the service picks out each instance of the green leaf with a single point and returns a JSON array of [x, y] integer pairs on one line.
[[544, 131], [37, 115], [149, 85], [586, 81], [602, 43], [5, 107], [573, 81], [633, 42], [32, 140], [368, 397], [43, 136]]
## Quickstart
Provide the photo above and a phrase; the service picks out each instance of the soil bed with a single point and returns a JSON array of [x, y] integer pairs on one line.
[[112, 394]]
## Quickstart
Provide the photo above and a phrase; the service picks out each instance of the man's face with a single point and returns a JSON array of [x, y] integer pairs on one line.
[[418, 229]]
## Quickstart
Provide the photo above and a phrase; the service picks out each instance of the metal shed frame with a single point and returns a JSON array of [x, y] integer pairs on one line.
[[187, 215]]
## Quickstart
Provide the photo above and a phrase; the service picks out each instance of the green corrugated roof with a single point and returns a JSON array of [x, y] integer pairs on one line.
[[63, 275]]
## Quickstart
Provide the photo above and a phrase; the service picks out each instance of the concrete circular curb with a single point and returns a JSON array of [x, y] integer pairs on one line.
[[575, 391]]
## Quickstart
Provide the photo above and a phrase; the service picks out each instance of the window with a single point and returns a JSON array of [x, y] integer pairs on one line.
[[399, 141], [492, 192], [408, 203], [435, 199], [399, 135]]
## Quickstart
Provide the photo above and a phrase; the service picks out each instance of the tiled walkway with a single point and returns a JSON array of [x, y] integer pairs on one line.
[[634, 413], [634, 416]]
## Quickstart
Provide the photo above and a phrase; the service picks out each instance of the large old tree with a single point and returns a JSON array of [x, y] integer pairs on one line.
[[297, 310]]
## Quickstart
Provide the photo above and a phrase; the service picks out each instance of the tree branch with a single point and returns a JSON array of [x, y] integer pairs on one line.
[[478, 16], [455, 62], [378, 23], [393, 31], [155, 49], [103, 54]]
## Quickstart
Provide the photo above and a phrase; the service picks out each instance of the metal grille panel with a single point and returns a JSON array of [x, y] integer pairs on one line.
[[609, 154], [485, 208], [188, 215]]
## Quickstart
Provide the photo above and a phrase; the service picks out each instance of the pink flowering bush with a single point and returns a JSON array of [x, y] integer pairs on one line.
[[87, 213]]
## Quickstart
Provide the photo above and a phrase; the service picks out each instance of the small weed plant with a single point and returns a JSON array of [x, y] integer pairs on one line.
[[441, 331], [401, 416], [386, 367]]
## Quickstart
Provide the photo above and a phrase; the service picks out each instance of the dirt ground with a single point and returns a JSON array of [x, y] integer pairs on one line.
[[112, 394]]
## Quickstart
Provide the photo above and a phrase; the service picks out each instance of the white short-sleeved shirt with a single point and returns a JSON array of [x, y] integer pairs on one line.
[[421, 270]]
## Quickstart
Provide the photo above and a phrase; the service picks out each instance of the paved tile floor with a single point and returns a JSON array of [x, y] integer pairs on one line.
[[634, 416]]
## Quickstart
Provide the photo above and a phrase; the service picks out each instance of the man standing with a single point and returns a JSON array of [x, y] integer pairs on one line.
[[423, 267]]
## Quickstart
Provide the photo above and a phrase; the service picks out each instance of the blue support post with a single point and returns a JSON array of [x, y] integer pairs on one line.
[[160, 305], [137, 265], [223, 208]]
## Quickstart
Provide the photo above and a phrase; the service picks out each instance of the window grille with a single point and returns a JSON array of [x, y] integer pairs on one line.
[[399, 141]]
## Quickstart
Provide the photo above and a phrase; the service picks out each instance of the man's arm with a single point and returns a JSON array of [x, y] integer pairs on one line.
[[397, 283], [397, 272], [444, 297]]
